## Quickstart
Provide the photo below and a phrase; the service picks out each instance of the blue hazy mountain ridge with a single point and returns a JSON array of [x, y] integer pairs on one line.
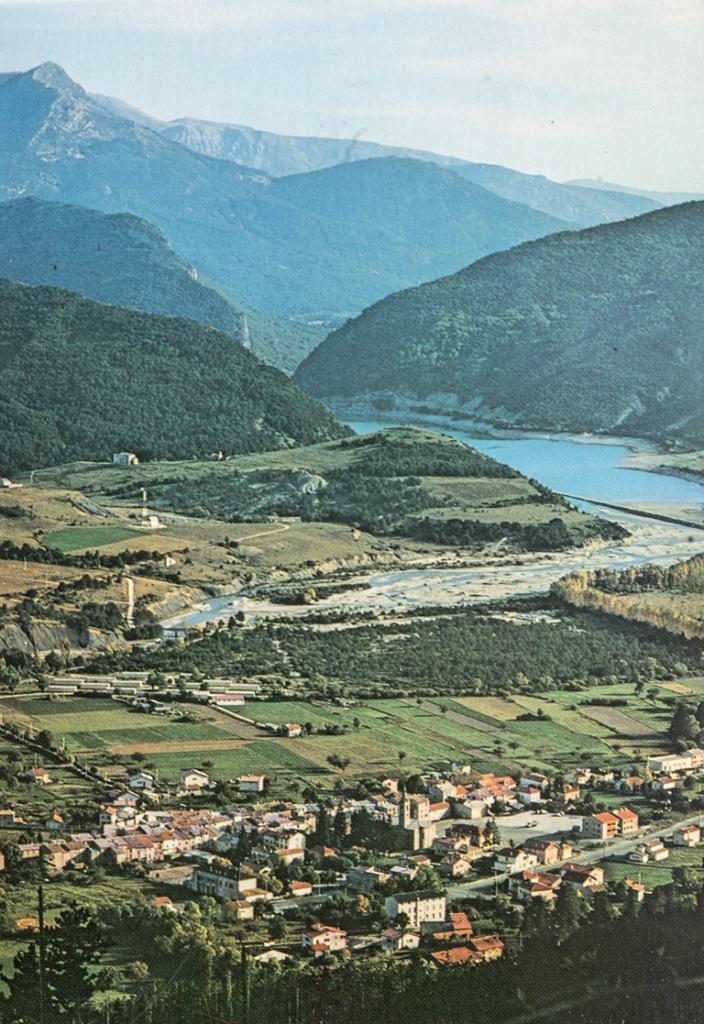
[[580, 203], [392, 218], [582, 207], [124, 260], [661, 198], [595, 330], [115, 258], [319, 248]]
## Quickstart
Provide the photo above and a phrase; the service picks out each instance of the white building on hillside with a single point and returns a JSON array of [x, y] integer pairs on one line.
[[125, 459], [426, 905]]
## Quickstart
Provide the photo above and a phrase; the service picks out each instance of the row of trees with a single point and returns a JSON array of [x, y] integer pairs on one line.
[[618, 594], [12, 552]]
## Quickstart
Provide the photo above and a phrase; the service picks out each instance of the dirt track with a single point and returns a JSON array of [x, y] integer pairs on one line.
[[242, 730], [174, 746]]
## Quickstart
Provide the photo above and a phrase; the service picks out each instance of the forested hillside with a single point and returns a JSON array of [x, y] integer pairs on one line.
[[597, 330], [114, 258], [80, 380]]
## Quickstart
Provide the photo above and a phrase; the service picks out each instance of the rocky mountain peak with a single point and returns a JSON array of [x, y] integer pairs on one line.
[[54, 77]]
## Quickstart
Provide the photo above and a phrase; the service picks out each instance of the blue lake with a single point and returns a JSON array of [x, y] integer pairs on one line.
[[582, 468]]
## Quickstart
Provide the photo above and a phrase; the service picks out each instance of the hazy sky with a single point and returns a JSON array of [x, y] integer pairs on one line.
[[567, 88]]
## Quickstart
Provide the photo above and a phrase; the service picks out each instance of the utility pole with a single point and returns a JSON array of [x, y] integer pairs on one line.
[[245, 985], [129, 584], [42, 941]]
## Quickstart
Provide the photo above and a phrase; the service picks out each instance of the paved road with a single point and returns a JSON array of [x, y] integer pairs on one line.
[[612, 848], [631, 510]]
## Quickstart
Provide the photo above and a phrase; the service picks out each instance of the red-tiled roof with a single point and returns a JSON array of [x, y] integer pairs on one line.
[[485, 943], [324, 929], [460, 921], [456, 955]]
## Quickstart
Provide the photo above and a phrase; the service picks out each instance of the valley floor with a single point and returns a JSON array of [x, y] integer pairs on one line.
[[492, 578]]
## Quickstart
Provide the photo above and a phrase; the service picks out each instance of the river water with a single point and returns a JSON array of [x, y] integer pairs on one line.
[[588, 468]]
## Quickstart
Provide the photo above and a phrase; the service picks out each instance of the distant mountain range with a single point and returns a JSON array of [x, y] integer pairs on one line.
[[317, 246], [581, 207], [123, 260], [580, 204], [80, 380], [597, 330], [661, 198]]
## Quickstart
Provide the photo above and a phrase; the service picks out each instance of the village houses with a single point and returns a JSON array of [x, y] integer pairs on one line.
[[608, 824], [251, 783], [687, 835], [418, 907], [510, 860], [397, 940], [192, 780], [323, 938]]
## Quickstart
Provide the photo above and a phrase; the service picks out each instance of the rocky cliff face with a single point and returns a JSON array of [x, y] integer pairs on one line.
[[42, 636]]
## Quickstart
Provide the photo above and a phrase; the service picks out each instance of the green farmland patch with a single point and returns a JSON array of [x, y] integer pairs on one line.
[[79, 538], [549, 736]]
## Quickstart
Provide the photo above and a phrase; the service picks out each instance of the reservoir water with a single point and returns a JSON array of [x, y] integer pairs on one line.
[[588, 469]]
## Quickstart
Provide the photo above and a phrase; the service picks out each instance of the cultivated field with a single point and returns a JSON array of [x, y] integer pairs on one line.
[[373, 736], [623, 726], [18, 577], [35, 803], [205, 552], [234, 489], [95, 724], [86, 538]]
